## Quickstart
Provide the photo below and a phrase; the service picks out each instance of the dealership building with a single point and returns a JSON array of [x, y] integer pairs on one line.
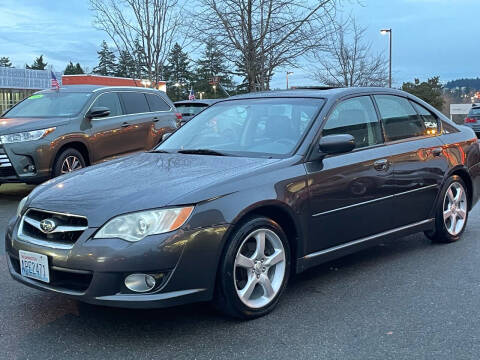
[[17, 84]]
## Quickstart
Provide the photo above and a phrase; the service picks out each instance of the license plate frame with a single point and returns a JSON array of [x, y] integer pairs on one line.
[[34, 266]]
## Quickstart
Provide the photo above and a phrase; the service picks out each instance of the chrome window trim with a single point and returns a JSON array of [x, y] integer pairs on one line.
[[129, 90], [365, 239], [374, 200]]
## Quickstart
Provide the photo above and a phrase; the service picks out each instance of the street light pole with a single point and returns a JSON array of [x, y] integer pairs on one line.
[[384, 32], [288, 73]]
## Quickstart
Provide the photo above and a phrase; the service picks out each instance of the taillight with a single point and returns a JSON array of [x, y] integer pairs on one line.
[[470, 120], [179, 116]]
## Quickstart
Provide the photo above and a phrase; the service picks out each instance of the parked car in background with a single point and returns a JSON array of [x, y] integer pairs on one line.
[[473, 119], [305, 177], [54, 132], [190, 108]]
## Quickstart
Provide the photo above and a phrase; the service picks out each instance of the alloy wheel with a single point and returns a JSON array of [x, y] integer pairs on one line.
[[455, 209], [259, 268], [71, 163]]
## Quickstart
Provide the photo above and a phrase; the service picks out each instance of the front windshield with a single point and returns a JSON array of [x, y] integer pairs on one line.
[[51, 104], [251, 127]]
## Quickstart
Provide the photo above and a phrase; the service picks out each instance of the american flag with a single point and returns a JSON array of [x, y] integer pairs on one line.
[[55, 84], [191, 96]]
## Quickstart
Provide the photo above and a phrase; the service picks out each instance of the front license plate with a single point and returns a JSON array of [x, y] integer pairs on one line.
[[34, 266]]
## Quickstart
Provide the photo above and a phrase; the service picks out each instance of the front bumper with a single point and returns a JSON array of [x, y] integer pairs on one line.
[[93, 271], [17, 160]]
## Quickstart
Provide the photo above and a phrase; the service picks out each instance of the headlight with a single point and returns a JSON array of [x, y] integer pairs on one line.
[[21, 205], [136, 226], [25, 136]]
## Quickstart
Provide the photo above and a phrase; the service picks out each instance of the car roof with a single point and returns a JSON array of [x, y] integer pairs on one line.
[[318, 92], [95, 88], [198, 101]]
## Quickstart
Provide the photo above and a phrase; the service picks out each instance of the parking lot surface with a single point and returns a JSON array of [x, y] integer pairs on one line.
[[406, 299]]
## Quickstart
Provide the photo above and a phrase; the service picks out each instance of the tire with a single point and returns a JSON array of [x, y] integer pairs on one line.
[[455, 205], [71, 156], [243, 268]]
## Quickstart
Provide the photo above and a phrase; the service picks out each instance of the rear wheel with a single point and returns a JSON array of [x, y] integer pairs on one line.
[[69, 160], [452, 212], [254, 270]]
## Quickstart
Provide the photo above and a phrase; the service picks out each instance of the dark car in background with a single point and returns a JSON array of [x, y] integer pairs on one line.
[[54, 132], [190, 108], [300, 178], [473, 119]]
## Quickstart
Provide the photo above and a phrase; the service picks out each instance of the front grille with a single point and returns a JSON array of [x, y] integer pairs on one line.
[[6, 168], [62, 278], [51, 229]]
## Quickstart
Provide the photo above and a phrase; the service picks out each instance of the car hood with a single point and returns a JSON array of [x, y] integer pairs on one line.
[[138, 182], [13, 125]]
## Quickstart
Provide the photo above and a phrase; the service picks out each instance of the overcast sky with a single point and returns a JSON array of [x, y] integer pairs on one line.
[[430, 37]]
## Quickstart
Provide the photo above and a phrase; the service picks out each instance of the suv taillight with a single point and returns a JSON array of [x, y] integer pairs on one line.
[[470, 120], [179, 116]]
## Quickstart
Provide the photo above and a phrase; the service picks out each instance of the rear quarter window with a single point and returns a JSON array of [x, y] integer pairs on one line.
[[156, 103], [135, 103]]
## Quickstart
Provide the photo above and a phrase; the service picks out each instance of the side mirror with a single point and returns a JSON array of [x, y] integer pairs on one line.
[[166, 136], [336, 144], [98, 112]]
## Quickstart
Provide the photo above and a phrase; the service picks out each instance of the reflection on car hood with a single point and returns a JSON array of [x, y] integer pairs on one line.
[[138, 182], [13, 125]]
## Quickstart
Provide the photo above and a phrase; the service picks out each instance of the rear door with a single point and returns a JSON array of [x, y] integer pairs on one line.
[[138, 123], [351, 194], [163, 116], [418, 159]]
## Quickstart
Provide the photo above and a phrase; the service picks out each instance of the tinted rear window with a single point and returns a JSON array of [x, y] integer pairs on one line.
[[475, 112], [156, 103], [399, 118], [135, 103], [190, 109]]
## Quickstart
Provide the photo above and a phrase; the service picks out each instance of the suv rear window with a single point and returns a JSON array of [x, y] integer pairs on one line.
[[474, 112], [156, 103], [135, 102]]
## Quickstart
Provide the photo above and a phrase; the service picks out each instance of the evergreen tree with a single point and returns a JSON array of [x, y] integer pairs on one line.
[[178, 74], [211, 65], [429, 91], [73, 69], [106, 61], [5, 62], [126, 66], [38, 64]]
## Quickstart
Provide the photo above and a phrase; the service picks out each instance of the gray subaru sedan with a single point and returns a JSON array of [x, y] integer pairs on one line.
[[251, 190]]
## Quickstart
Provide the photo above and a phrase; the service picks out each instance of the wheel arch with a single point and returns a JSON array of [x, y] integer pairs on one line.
[[279, 212], [464, 175], [74, 144]]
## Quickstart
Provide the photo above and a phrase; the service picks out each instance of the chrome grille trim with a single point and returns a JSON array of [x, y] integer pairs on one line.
[[5, 161], [65, 229]]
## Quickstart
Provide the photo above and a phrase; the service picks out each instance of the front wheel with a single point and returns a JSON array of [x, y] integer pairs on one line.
[[69, 160], [452, 212], [254, 270]]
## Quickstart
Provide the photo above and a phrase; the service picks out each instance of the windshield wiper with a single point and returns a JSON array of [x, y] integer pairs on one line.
[[202, 152], [160, 151]]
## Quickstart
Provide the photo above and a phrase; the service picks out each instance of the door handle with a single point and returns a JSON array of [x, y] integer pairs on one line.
[[437, 151], [155, 119], [381, 165], [125, 125]]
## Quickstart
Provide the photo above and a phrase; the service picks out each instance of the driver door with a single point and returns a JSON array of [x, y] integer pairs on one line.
[[351, 193]]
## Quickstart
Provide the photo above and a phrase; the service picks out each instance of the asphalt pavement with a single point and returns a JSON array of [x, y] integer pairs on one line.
[[406, 299]]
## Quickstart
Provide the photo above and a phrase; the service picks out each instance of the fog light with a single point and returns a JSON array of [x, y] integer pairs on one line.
[[140, 282]]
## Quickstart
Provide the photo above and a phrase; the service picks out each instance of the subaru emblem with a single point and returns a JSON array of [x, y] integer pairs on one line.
[[47, 225]]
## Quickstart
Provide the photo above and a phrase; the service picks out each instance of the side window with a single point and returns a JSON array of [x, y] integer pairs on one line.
[[156, 103], [110, 101], [358, 118], [135, 102], [399, 118], [430, 121], [448, 129]]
